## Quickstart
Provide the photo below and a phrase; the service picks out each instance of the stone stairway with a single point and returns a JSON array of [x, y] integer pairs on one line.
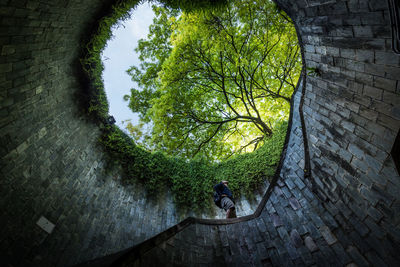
[[53, 167], [294, 228]]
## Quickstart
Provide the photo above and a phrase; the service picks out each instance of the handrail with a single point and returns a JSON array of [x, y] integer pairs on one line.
[[150, 243], [118, 258], [140, 249]]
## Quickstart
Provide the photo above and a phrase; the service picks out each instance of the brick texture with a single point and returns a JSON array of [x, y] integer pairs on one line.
[[345, 213]]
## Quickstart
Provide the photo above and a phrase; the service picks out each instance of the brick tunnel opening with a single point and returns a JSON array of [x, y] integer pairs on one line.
[[250, 187], [61, 208]]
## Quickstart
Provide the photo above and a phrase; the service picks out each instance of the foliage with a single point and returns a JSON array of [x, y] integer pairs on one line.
[[91, 61], [190, 5], [190, 181], [247, 171], [221, 81], [313, 72], [152, 54]]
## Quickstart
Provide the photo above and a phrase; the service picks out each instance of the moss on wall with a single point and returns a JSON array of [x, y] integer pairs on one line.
[[191, 181]]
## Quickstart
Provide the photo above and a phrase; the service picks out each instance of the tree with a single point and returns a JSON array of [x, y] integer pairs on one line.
[[152, 54], [224, 83]]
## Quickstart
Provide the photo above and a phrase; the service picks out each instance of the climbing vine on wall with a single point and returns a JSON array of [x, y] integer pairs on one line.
[[190, 181]]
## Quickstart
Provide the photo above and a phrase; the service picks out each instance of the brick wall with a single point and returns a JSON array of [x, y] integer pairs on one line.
[[352, 113], [51, 164], [352, 116]]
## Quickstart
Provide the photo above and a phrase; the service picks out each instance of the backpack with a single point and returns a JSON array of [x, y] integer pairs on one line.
[[217, 200]]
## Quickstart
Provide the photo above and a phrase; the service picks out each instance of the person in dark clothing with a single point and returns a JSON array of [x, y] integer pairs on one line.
[[227, 202]]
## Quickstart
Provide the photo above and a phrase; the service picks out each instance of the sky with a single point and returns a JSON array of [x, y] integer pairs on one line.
[[118, 56]]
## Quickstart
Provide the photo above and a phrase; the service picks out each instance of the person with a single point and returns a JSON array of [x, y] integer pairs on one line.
[[227, 202]]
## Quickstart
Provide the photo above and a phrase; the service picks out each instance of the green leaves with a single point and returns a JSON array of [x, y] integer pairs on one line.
[[217, 82], [198, 70], [191, 182]]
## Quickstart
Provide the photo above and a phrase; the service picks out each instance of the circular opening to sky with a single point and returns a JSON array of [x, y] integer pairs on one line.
[[209, 84]]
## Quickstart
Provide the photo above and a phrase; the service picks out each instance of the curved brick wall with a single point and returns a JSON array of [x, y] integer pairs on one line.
[[347, 211], [352, 117], [51, 165]]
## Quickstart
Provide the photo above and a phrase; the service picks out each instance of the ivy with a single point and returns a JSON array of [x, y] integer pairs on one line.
[[190, 181]]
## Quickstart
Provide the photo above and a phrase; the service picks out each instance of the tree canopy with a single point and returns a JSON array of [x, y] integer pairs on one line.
[[214, 82]]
